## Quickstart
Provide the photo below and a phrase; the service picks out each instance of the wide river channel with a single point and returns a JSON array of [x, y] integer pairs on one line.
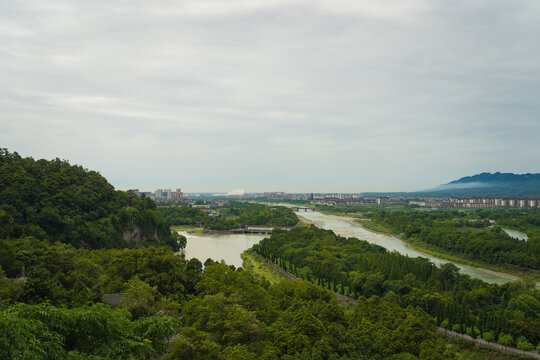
[[346, 227], [229, 246]]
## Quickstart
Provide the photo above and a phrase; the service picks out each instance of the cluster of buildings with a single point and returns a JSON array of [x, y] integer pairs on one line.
[[307, 196], [167, 194], [495, 202], [478, 202], [161, 194]]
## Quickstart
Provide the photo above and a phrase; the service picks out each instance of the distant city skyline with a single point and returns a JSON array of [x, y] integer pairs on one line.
[[288, 95]]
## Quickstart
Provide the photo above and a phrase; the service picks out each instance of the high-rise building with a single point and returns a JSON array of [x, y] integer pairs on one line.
[[179, 194]]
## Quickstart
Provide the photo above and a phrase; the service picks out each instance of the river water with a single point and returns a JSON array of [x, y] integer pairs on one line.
[[229, 246], [516, 234], [342, 227], [219, 246]]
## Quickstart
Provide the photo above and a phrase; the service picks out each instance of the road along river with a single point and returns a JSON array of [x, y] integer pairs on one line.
[[346, 226]]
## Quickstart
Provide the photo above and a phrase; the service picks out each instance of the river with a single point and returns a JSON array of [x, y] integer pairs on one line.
[[219, 246], [345, 227], [516, 234], [229, 246]]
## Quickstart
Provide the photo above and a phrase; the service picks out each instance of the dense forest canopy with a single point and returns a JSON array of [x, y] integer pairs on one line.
[[233, 215], [215, 312], [357, 268], [55, 201]]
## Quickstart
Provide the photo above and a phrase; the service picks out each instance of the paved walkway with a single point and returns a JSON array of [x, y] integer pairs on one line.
[[481, 341]]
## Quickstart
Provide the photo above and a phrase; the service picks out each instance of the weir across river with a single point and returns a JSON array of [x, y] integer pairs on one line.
[[305, 209]]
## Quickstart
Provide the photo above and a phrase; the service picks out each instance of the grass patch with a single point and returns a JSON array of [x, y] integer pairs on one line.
[[188, 228], [252, 262], [184, 227]]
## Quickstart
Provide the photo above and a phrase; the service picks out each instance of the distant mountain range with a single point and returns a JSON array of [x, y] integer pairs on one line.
[[484, 184], [488, 184]]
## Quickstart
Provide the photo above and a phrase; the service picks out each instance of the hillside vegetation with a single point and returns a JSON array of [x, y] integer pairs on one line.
[[55, 201]]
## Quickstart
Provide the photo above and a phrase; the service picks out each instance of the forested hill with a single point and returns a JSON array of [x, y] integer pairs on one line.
[[55, 201], [496, 184], [484, 184]]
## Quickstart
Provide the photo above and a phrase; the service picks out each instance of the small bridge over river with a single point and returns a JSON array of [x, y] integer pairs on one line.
[[299, 208]]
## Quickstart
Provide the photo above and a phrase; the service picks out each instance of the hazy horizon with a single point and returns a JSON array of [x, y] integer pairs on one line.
[[288, 95]]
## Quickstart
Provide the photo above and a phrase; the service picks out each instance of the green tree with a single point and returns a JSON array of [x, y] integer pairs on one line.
[[193, 344], [489, 336], [140, 298], [505, 339], [523, 344], [89, 332]]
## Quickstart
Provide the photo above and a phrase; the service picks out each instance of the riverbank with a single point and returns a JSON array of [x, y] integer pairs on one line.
[[491, 269], [305, 220], [512, 274], [487, 268], [495, 271], [438, 253], [264, 268], [188, 228]]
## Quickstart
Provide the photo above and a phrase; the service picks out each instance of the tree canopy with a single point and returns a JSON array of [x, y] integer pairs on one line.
[[55, 201]]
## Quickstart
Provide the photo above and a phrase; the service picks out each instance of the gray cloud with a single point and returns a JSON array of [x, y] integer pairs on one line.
[[292, 94]]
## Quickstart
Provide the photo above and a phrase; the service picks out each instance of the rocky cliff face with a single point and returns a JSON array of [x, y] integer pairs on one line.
[[134, 235]]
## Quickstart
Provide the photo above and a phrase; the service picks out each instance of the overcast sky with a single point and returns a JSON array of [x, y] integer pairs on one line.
[[274, 95]]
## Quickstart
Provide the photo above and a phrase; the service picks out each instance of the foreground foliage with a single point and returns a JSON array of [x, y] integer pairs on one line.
[[218, 312], [90, 332], [64, 275], [235, 316]]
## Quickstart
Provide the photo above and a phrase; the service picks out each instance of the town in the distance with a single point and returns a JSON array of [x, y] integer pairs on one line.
[[473, 202]]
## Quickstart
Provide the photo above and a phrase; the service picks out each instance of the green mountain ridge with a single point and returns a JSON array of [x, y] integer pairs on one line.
[[54, 201], [493, 184], [483, 184]]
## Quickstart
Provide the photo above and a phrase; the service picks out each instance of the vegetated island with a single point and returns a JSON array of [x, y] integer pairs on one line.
[[229, 215]]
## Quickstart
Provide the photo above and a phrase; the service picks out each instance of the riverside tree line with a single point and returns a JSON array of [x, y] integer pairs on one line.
[[358, 269], [471, 234]]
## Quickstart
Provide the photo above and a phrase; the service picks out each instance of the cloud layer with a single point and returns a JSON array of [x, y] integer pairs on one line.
[[288, 95]]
